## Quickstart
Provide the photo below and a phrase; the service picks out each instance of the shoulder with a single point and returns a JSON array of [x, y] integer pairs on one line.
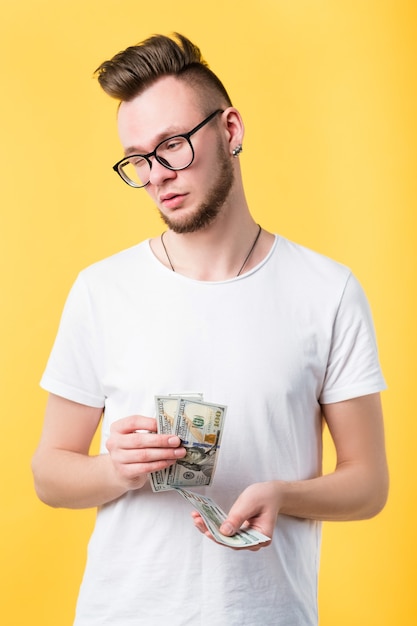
[[134, 265], [118, 274], [305, 269], [120, 262], [307, 259]]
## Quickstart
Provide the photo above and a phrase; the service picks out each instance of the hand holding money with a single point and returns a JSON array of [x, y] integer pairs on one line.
[[199, 425], [256, 507], [135, 449], [213, 518]]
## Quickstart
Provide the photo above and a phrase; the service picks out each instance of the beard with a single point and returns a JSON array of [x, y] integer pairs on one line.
[[212, 205]]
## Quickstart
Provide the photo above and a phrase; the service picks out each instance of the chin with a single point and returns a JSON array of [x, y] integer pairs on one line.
[[191, 223]]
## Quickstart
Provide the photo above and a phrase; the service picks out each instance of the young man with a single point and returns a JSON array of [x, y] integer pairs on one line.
[[279, 334]]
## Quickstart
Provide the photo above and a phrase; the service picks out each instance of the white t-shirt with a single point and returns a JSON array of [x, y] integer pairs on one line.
[[272, 345]]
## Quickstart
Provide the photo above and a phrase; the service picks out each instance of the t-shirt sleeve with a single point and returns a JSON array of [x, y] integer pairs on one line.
[[353, 367], [72, 370]]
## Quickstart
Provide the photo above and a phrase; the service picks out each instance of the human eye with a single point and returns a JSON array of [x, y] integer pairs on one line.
[[135, 170], [136, 161], [172, 144]]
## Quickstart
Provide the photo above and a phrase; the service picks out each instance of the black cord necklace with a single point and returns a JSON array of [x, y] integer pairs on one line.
[[244, 262]]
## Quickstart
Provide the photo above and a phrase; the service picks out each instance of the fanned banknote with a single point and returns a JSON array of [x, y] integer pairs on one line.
[[166, 411], [166, 415], [214, 517], [199, 425]]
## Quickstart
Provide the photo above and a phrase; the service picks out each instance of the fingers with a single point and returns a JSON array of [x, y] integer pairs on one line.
[[138, 432], [243, 509], [258, 505], [201, 526], [256, 508], [137, 449], [146, 441]]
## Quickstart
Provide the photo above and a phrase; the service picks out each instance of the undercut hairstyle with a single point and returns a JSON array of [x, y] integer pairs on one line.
[[133, 70]]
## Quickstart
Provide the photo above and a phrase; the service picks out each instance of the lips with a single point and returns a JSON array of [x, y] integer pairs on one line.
[[168, 196], [172, 200]]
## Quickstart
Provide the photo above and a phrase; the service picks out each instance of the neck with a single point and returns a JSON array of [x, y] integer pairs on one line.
[[245, 260], [216, 253]]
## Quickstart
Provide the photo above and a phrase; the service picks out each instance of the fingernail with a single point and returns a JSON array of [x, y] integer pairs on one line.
[[173, 441], [227, 529], [179, 452]]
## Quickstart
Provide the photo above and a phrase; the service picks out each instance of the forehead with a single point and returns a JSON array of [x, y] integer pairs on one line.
[[166, 107]]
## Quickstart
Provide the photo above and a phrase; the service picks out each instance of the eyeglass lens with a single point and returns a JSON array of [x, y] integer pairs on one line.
[[174, 153]]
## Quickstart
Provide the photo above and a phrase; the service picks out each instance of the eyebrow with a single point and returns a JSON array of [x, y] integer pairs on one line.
[[172, 131]]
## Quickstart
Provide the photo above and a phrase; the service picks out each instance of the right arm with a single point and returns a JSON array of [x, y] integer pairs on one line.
[[67, 476]]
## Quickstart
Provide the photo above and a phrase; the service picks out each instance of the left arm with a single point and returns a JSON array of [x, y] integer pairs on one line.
[[357, 489]]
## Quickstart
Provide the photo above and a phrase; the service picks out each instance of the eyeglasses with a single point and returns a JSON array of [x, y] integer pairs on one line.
[[175, 153]]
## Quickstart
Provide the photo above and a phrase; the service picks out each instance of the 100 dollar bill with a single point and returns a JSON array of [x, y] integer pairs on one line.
[[166, 415], [213, 517], [199, 425]]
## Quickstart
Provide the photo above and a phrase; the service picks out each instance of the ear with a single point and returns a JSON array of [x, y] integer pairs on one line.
[[234, 129]]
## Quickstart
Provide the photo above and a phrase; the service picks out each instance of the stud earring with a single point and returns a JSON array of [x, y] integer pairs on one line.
[[236, 151]]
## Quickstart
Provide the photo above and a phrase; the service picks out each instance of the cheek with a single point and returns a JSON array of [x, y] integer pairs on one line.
[[151, 193]]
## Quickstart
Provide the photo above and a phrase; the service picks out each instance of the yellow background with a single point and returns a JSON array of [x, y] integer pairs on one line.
[[327, 89]]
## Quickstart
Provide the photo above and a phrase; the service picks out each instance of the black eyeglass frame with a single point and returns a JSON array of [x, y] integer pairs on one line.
[[118, 166]]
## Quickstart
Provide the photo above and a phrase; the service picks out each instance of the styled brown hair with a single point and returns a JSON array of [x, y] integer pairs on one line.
[[133, 70]]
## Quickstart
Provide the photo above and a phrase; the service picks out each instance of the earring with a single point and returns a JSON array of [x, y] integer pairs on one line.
[[236, 151]]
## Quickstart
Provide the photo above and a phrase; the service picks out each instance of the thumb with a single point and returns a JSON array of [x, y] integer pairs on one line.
[[228, 528], [238, 515]]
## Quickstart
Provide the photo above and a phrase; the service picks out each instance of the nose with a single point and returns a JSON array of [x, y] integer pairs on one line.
[[159, 173]]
